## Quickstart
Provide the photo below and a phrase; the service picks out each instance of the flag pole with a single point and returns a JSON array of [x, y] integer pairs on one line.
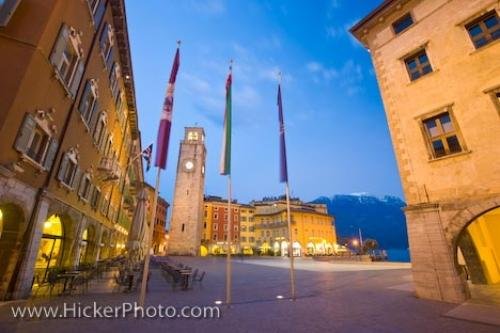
[[161, 163], [229, 221], [290, 245], [229, 235], [145, 271], [287, 196]]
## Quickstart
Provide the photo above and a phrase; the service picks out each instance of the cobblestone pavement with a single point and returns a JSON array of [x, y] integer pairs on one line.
[[330, 299]]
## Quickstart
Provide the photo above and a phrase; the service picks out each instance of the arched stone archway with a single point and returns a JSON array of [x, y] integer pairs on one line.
[[476, 249], [13, 227], [466, 215]]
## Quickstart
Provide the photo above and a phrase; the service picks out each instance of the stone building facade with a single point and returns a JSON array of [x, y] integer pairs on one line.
[[187, 205], [68, 126], [438, 67]]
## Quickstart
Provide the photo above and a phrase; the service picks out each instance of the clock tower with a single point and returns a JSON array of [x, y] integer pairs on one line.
[[187, 206]]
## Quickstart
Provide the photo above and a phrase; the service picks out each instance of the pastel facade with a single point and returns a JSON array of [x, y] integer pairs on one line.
[[438, 67], [68, 126]]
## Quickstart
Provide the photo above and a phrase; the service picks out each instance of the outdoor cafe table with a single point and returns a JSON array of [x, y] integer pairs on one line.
[[186, 273], [67, 277]]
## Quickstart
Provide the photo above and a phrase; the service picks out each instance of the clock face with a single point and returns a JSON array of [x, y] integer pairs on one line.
[[189, 165]]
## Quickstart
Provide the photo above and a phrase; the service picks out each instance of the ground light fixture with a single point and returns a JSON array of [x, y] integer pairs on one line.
[[279, 297], [218, 302]]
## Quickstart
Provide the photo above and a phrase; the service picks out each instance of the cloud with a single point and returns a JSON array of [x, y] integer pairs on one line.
[[349, 76], [321, 72], [211, 7]]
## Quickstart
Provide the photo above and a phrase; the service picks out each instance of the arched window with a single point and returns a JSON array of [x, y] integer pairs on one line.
[[49, 251]]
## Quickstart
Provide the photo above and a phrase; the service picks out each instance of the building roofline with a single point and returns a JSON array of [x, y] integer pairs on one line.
[[123, 45], [374, 13]]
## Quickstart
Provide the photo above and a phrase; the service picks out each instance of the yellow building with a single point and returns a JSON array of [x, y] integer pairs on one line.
[[68, 127], [313, 229], [247, 244], [438, 67]]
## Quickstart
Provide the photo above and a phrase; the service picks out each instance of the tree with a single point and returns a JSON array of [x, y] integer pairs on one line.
[[369, 245]]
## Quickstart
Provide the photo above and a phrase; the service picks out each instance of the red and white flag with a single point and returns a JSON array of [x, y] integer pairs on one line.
[[163, 138]]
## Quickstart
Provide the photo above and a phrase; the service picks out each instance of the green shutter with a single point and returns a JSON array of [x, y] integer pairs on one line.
[[109, 60], [59, 45], [82, 106], [51, 153], [25, 133]]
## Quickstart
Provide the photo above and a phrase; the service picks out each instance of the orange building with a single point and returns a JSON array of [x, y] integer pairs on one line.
[[68, 127]]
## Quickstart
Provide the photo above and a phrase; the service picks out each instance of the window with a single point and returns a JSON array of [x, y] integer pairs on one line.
[[100, 131], [34, 139], [97, 8], [243, 239], [251, 239], [214, 237], [225, 227], [7, 8], [106, 42], [418, 65], [85, 188], [69, 173], [216, 216], [442, 135], [402, 24], [113, 80], [215, 227], [183, 227], [66, 57], [96, 196], [192, 136], [88, 101], [205, 225], [485, 29]]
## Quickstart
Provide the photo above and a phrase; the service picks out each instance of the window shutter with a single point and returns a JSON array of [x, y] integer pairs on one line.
[[104, 141], [60, 44], [62, 167], [109, 61], [76, 178], [25, 133], [91, 193], [77, 77], [51, 153], [95, 117], [81, 185], [99, 12], [83, 99], [102, 38]]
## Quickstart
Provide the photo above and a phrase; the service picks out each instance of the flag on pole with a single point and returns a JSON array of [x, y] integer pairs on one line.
[[225, 161], [146, 154], [283, 164], [163, 138]]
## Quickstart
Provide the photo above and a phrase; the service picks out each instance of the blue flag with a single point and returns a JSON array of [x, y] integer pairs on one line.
[[283, 164]]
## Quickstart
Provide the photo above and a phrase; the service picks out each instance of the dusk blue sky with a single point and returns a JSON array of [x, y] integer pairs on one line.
[[337, 136]]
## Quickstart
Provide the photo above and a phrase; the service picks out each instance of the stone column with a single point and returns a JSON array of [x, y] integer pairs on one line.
[[434, 272], [26, 272]]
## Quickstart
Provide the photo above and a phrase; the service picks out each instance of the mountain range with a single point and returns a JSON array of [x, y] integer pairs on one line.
[[381, 219]]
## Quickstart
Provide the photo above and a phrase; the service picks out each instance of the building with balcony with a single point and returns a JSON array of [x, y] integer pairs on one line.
[[313, 229], [68, 130], [438, 67]]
